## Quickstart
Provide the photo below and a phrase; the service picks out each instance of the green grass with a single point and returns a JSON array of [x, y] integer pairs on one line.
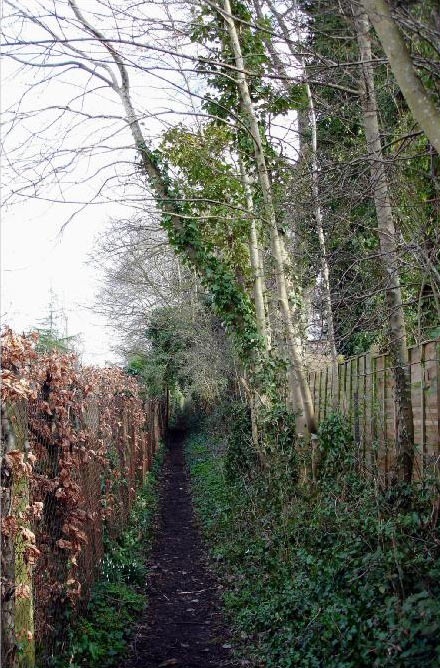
[[98, 638], [337, 576]]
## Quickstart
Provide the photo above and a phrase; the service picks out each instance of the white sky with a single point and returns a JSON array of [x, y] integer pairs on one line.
[[36, 259]]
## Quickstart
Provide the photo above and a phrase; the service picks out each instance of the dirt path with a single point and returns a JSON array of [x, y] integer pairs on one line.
[[183, 625]]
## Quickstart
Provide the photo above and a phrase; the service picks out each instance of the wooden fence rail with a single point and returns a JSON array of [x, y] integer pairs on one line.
[[363, 389]]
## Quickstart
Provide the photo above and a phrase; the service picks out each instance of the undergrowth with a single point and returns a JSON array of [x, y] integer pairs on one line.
[[99, 637], [338, 575]]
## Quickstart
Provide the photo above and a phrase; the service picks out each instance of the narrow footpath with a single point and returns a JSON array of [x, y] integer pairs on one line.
[[183, 625]]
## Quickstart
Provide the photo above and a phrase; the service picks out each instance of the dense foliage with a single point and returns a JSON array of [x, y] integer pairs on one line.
[[184, 350], [349, 213], [340, 575]]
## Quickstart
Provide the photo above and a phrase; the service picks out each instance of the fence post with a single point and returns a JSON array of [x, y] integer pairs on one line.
[[20, 623], [8, 645], [423, 445]]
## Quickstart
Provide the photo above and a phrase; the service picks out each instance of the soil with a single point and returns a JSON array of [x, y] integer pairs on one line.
[[183, 624]]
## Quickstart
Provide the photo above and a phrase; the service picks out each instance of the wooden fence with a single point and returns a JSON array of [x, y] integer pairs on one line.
[[363, 389]]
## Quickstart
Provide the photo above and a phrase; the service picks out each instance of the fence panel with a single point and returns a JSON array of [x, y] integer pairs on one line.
[[363, 389], [431, 406]]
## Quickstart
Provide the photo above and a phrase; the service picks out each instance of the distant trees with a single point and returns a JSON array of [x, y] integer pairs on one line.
[[52, 329]]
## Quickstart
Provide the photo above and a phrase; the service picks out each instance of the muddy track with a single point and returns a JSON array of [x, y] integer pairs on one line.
[[183, 625]]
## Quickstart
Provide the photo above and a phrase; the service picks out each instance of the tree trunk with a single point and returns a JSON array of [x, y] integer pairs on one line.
[[320, 230], [257, 268], [418, 99], [389, 256], [276, 242], [279, 67]]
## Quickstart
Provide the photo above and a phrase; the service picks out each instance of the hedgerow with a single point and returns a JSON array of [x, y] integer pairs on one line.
[[77, 444]]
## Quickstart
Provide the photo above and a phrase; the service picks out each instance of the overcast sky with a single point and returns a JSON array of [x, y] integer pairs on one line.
[[36, 259]]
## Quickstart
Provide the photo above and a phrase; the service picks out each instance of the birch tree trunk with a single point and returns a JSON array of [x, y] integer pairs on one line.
[[325, 273], [317, 211], [418, 99], [256, 264], [276, 243], [389, 255]]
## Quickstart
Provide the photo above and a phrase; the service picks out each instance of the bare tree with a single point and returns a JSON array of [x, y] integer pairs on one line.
[[140, 272]]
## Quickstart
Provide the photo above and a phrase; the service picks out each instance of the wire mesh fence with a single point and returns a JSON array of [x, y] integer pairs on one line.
[[77, 444]]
